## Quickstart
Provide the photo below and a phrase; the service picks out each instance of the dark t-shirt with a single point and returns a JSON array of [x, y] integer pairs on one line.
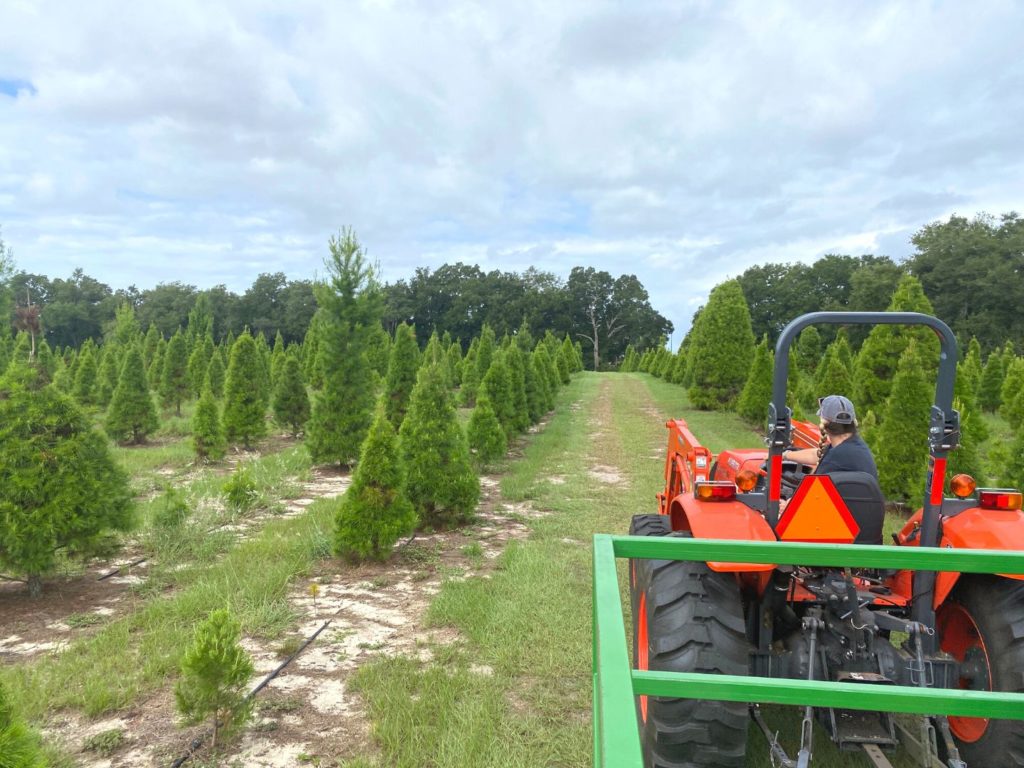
[[851, 455]]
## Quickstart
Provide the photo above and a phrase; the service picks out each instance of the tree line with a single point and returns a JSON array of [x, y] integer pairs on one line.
[[603, 312]]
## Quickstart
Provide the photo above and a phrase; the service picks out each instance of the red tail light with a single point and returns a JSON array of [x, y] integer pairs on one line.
[[714, 491], [1000, 499]]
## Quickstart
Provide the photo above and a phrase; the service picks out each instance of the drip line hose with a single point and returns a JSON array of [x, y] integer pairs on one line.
[[120, 568], [197, 742]]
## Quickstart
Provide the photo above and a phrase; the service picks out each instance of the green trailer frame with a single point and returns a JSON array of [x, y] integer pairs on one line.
[[616, 736]]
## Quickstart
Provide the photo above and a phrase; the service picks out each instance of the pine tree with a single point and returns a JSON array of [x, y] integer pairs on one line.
[[199, 362], [155, 370], [454, 362], [433, 354], [378, 350], [1014, 412], [149, 345], [60, 487], [401, 376], [972, 365], [524, 338], [876, 363], [1008, 356], [174, 382], [1013, 383], [628, 363], [843, 351], [902, 453], [487, 439], [470, 376], [536, 390], [132, 413], [291, 403], [200, 322], [808, 349], [484, 351], [215, 373], [517, 375], [565, 360], [440, 482], [264, 357], [85, 375], [757, 392], [375, 512], [991, 383], [208, 440], [311, 354], [245, 400], [833, 378], [214, 673], [1012, 474], [45, 358], [541, 362], [722, 349], [107, 374], [497, 385], [276, 361], [350, 303], [19, 746]]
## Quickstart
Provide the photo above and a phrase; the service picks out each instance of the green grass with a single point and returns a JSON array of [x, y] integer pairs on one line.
[[530, 622]]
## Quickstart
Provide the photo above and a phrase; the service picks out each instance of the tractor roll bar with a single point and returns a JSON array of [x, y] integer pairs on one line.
[[943, 435]]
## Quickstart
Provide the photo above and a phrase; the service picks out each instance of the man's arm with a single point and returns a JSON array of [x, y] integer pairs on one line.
[[808, 456]]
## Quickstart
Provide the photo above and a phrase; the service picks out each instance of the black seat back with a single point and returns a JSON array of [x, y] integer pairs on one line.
[[864, 499]]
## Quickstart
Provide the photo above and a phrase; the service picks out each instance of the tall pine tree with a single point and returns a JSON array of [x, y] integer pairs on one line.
[[902, 443], [174, 382], [401, 376], [291, 403], [245, 400], [722, 349], [757, 392], [132, 414]]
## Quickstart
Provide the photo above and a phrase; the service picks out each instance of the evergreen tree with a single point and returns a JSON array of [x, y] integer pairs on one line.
[[1013, 383], [200, 322], [276, 361], [60, 487], [440, 481], [808, 350], [149, 345], [991, 383], [291, 403], [132, 413], [351, 303], [155, 370], [1012, 474], [433, 354], [19, 746], [487, 439], [454, 362], [85, 375], [628, 364], [199, 362], [264, 357], [45, 358], [215, 373], [378, 350], [565, 360], [174, 382], [536, 390], [107, 375], [470, 376], [484, 351], [548, 382], [722, 349], [972, 365], [757, 392], [402, 370], [125, 330], [517, 375], [245, 400], [1008, 356], [876, 363], [902, 451], [833, 378], [214, 673], [1014, 412], [375, 512], [311, 348], [497, 385], [208, 439], [524, 338], [843, 351]]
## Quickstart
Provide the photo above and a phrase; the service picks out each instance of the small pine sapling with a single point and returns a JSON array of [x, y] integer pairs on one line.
[[19, 746], [375, 512], [214, 673], [487, 439], [291, 402], [208, 439]]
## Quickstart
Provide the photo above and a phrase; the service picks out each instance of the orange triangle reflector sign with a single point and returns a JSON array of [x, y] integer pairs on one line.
[[817, 513]]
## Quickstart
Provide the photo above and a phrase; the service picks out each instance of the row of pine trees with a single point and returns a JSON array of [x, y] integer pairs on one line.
[[891, 380]]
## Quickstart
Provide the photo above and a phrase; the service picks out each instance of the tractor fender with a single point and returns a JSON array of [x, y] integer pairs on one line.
[[974, 528], [721, 520]]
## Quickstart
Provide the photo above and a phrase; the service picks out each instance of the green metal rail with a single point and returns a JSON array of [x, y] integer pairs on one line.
[[616, 736]]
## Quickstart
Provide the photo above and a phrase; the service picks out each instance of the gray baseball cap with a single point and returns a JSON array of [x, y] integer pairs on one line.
[[837, 409]]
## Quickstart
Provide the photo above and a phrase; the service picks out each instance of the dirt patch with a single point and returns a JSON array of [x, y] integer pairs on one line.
[[604, 474]]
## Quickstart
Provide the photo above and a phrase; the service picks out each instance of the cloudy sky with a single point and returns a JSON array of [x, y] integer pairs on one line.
[[207, 142]]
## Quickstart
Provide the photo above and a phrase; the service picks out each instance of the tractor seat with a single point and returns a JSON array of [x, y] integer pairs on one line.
[[864, 499]]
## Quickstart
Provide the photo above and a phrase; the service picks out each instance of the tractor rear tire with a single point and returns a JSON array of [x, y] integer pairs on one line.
[[984, 619], [689, 618]]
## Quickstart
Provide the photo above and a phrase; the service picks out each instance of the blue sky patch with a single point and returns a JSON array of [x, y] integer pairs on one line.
[[14, 88]]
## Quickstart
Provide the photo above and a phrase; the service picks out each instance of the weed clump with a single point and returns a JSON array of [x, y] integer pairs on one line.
[[240, 490]]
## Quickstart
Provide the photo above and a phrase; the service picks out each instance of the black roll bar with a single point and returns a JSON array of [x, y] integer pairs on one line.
[[943, 436]]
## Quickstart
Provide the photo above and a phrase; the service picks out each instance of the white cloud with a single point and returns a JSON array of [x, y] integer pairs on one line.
[[205, 142]]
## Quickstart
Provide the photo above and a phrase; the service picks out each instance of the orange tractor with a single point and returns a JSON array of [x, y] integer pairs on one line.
[[860, 626]]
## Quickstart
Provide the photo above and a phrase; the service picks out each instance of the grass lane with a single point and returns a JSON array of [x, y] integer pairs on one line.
[[515, 691]]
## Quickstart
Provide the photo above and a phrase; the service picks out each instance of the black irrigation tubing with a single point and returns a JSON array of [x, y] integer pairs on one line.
[[197, 742], [120, 568]]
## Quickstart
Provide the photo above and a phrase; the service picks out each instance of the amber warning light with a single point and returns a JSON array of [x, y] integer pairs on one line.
[[1000, 499], [714, 491], [962, 486]]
